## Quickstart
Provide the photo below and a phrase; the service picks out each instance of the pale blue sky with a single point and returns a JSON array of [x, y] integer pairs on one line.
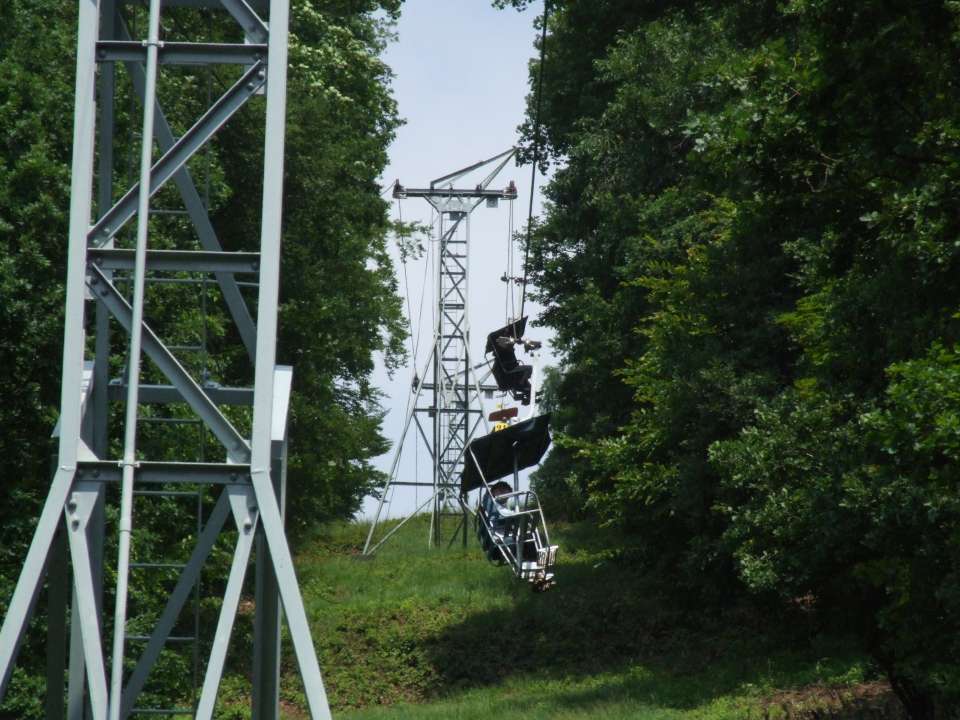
[[461, 84]]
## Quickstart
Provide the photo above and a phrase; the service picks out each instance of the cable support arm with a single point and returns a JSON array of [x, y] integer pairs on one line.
[[536, 153], [476, 166], [496, 171], [508, 193]]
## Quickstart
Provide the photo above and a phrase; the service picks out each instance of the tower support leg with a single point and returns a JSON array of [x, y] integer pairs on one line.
[[58, 588], [266, 631]]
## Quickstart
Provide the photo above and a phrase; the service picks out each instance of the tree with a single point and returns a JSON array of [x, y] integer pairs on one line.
[[338, 305], [749, 257]]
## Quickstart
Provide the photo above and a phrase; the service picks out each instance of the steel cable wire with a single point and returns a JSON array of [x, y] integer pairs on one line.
[[536, 152]]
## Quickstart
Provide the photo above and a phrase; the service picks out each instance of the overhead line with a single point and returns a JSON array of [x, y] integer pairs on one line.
[[536, 152]]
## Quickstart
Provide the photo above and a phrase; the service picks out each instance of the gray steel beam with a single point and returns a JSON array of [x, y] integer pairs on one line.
[[77, 683], [484, 388], [177, 53], [263, 404], [108, 471], [244, 510], [77, 695], [177, 260], [265, 694], [81, 194], [404, 192], [258, 5], [408, 483], [57, 577], [134, 357], [237, 448], [99, 413], [251, 23], [165, 394], [79, 510], [108, 82], [58, 589], [456, 174], [183, 149]]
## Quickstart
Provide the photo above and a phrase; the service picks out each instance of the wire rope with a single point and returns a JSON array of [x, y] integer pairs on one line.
[[406, 283], [508, 278], [513, 262], [435, 219], [423, 291], [415, 345], [536, 151], [510, 304]]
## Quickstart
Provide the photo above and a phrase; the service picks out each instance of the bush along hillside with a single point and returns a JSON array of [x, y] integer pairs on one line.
[[750, 258], [442, 633]]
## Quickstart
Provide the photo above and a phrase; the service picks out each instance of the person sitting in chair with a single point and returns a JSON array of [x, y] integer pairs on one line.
[[508, 371], [491, 500]]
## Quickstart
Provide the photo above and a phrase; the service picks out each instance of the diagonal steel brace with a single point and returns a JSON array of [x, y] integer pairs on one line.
[[178, 597], [238, 450], [251, 23], [171, 161]]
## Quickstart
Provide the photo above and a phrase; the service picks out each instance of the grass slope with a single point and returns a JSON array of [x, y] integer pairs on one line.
[[418, 633]]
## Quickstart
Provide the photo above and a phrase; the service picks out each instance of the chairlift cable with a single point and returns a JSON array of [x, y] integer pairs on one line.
[[413, 337], [536, 151], [423, 294], [507, 277], [406, 285], [433, 265], [513, 264], [406, 282]]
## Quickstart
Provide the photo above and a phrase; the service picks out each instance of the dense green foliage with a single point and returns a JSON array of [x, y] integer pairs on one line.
[[338, 294], [750, 259]]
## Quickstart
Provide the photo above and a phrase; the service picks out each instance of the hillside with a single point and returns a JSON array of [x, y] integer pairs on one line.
[[418, 633]]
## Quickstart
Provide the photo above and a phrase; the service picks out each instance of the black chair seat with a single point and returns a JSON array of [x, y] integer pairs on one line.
[[510, 374]]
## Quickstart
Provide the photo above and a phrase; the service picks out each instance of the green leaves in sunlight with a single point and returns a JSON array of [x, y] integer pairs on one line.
[[750, 260]]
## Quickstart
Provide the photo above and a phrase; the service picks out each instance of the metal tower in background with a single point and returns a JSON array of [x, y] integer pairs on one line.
[[448, 376], [109, 264]]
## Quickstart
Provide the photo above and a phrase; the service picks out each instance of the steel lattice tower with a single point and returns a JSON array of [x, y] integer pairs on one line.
[[249, 477], [455, 410]]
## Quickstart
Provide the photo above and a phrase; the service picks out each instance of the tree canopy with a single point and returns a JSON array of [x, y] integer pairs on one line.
[[749, 257]]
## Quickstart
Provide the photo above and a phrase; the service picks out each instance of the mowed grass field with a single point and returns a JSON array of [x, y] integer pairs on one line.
[[441, 633]]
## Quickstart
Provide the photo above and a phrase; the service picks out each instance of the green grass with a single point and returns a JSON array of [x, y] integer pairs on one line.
[[418, 633]]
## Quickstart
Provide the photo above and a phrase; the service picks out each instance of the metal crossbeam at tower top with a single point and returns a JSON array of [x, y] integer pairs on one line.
[[448, 375], [249, 480]]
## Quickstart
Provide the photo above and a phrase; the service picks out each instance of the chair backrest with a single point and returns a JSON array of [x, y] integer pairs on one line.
[[504, 354], [514, 330]]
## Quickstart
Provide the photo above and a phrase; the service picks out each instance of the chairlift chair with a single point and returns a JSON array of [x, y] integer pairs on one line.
[[511, 375], [510, 524]]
